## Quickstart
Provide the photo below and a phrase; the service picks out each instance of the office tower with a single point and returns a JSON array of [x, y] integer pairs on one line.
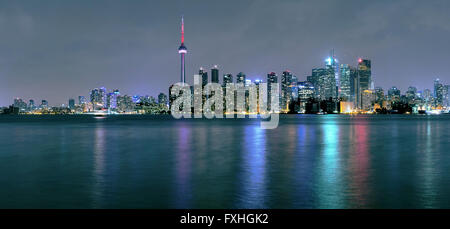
[[240, 78], [204, 76], [271, 78], [98, 98], [215, 74], [305, 92], [44, 104], [71, 103], [355, 95], [333, 63], [365, 74], [19, 103], [345, 82], [182, 50], [439, 93], [111, 102], [324, 81], [31, 105], [227, 78], [81, 100], [162, 99], [286, 90]]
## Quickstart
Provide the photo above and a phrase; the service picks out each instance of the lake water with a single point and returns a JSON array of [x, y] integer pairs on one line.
[[331, 161]]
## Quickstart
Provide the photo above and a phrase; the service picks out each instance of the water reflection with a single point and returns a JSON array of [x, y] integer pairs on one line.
[[330, 190], [183, 162], [253, 190], [359, 165], [99, 165], [427, 174]]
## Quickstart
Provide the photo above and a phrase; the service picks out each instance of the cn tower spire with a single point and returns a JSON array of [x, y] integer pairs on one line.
[[182, 29], [182, 50]]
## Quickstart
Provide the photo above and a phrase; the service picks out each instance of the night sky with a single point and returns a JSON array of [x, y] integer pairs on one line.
[[57, 50]]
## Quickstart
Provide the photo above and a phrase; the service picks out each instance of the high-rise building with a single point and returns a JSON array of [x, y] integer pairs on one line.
[[204, 76], [305, 92], [439, 93], [345, 82], [227, 78], [19, 103], [271, 78], [31, 105], [81, 100], [44, 104], [355, 94], [182, 50], [215, 74], [71, 103], [324, 80], [240, 78], [365, 74], [111, 102], [333, 63], [162, 99], [286, 90], [98, 98]]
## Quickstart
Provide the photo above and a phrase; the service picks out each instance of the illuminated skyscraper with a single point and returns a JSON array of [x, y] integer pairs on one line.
[[71, 103], [345, 82], [98, 98], [271, 78], [240, 78], [215, 74], [439, 93], [365, 74], [204, 76], [227, 78], [286, 90], [81, 100], [182, 50]]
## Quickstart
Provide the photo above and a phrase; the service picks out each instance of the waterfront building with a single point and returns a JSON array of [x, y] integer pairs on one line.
[[305, 93], [368, 99]]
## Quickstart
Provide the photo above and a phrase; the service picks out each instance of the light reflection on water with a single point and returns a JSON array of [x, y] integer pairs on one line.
[[157, 162]]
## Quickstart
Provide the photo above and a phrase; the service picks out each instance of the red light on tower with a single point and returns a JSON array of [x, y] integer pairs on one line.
[[359, 60]]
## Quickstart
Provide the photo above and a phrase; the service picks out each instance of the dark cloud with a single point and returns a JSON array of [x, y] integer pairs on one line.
[[60, 49]]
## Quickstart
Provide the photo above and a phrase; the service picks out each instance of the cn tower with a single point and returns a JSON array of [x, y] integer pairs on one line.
[[182, 50]]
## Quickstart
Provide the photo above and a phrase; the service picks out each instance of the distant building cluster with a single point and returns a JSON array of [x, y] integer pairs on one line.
[[98, 102], [339, 88]]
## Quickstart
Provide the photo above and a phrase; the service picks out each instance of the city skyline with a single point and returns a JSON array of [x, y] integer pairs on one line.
[[60, 67]]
